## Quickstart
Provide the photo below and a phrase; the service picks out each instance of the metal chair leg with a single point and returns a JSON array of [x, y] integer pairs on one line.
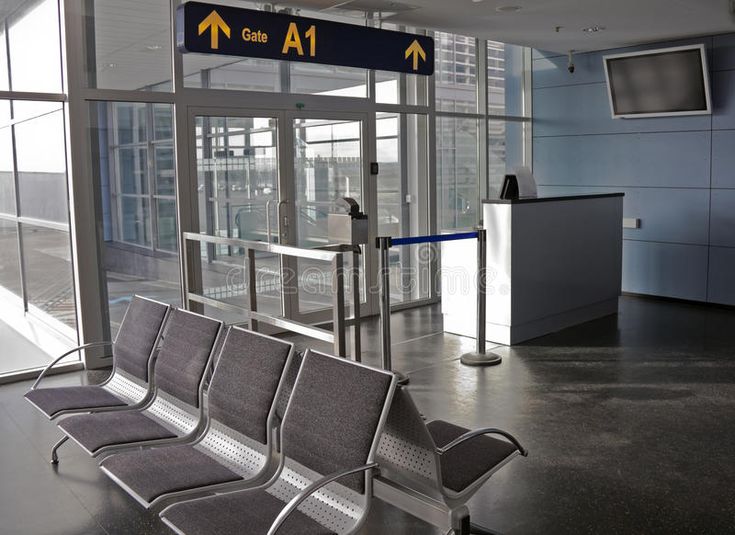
[[460, 521], [54, 456]]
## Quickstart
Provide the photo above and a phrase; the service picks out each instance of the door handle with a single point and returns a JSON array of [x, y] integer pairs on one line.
[[268, 220], [283, 231]]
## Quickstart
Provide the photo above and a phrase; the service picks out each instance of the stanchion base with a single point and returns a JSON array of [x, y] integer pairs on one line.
[[480, 359], [402, 378]]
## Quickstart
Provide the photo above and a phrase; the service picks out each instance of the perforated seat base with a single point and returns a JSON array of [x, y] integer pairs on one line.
[[51, 401], [94, 431], [466, 463], [152, 473], [250, 511]]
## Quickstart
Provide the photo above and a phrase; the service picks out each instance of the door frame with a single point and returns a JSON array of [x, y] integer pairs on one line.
[[286, 194], [369, 191]]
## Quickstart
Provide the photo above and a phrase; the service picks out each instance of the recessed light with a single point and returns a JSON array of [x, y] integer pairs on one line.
[[593, 29], [508, 9]]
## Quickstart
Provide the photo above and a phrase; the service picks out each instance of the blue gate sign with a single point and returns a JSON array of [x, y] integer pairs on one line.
[[213, 29]]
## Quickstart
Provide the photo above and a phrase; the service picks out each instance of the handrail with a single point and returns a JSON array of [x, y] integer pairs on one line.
[[478, 432], [334, 255], [286, 250], [311, 489], [57, 359]]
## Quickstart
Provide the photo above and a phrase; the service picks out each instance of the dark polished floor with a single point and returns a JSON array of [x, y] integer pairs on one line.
[[628, 419]]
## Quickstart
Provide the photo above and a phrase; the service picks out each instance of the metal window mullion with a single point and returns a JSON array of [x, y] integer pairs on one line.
[[6, 28], [18, 230], [405, 211], [151, 177], [483, 158], [527, 96], [432, 205], [185, 161], [90, 289]]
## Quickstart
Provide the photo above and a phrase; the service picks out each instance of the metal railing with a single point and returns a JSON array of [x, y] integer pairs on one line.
[[335, 255]]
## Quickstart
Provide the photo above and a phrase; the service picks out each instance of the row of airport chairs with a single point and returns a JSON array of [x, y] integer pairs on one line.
[[231, 431]]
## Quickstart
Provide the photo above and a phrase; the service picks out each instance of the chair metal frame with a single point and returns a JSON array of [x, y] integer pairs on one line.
[[209, 435], [164, 409], [123, 385], [410, 472], [318, 495]]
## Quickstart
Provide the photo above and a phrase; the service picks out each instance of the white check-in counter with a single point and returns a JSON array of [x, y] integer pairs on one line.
[[552, 263]]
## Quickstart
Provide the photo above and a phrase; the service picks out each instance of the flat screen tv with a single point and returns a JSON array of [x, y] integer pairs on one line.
[[658, 83]]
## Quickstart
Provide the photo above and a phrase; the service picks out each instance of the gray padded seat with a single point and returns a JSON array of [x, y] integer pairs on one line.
[[330, 426], [54, 400], [182, 362], [464, 464], [151, 473], [249, 512], [241, 394], [131, 353], [94, 431]]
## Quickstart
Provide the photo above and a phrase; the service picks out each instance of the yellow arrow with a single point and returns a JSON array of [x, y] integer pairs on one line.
[[215, 23], [416, 50]]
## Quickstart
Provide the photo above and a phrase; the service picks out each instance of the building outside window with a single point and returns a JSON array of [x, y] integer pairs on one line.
[[36, 269], [482, 123]]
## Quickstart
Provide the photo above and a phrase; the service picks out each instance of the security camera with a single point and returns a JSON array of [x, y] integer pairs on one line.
[[570, 64]]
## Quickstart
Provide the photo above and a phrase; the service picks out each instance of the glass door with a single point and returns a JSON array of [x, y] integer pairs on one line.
[[328, 164], [238, 194], [276, 177]]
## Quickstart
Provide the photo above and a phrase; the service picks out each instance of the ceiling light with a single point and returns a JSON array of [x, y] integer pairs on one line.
[[508, 9], [593, 29]]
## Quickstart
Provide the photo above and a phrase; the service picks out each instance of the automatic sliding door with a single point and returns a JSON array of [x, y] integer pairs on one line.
[[328, 165], [238, 195]]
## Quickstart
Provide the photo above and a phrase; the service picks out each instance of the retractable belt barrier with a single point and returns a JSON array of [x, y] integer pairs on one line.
[[476, 358]]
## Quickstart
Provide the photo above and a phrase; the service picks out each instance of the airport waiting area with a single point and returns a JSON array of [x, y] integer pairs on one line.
[[366, 267]]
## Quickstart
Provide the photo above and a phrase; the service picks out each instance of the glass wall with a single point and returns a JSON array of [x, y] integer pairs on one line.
[[402, 150], [482, 123], [36, 271], [135, 174]]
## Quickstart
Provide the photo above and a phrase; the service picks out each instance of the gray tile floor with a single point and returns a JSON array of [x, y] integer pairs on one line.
[[627, 419]]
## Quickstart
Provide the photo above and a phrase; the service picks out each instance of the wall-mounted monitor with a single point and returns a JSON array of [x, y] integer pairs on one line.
[[658, 83]]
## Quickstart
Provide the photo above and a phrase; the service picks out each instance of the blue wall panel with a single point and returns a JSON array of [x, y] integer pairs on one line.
[[665, 269], [666, 214], [723, 219], [721, 278], [723, 52], [585, 109], [552, 72], [678, 173], [723, 100], [672, 159], [723, 159]]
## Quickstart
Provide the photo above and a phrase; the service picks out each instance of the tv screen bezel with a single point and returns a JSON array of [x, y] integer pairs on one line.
[[659, 51]]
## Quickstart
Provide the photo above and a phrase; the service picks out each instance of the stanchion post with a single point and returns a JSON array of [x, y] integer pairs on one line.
[[384, 247], [481, 289], [356, 334], [480, 357]]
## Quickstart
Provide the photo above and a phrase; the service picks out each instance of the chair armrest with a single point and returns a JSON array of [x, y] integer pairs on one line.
[[311, 489], [55, 361], [479, 432]]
